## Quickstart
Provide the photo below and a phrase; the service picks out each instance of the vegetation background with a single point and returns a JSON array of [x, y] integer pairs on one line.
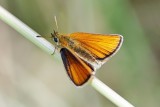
[[31, 78]]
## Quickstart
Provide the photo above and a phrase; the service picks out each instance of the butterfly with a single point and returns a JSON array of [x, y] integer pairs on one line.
[[83, 53]]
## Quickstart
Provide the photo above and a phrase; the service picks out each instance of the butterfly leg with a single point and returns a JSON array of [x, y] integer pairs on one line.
[[54, 50]]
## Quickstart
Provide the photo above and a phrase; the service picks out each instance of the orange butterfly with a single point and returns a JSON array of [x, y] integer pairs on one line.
[[83, 53]]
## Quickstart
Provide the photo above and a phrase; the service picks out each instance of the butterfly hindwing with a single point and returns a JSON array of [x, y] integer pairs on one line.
[[78, 70]]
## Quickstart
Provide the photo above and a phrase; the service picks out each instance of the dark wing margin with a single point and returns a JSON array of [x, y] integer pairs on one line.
[[77, 69]]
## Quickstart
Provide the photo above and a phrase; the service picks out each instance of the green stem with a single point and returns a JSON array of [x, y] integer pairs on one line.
[[109, 93], [26, 31]]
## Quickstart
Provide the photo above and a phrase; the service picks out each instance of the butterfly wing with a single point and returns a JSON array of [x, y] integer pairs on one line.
[[100, 46], [78, 70]]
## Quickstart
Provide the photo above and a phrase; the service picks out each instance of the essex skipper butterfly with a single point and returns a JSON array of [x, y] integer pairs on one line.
[[83, 53]]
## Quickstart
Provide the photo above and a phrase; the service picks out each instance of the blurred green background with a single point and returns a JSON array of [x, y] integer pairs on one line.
[[31, 78]]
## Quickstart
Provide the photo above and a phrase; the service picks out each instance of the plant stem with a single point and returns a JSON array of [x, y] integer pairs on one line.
[[30, 34], [109, 93], [26, 31]]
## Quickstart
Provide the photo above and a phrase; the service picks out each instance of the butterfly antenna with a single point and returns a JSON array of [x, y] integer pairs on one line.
[[55, 19]]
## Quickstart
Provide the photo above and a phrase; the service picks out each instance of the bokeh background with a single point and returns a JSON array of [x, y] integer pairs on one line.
[[31, 78]]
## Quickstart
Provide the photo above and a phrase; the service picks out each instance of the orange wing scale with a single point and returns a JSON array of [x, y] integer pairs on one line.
[[101, 46], [78, 70]]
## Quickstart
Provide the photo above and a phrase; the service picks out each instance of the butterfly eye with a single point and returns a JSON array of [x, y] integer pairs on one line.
[[55, 39]]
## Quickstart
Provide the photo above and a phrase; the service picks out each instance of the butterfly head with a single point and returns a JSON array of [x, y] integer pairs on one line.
[[55, 37]]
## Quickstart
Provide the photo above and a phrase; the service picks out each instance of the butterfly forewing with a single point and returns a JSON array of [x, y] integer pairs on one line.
[[78, 70], [100, 46]]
